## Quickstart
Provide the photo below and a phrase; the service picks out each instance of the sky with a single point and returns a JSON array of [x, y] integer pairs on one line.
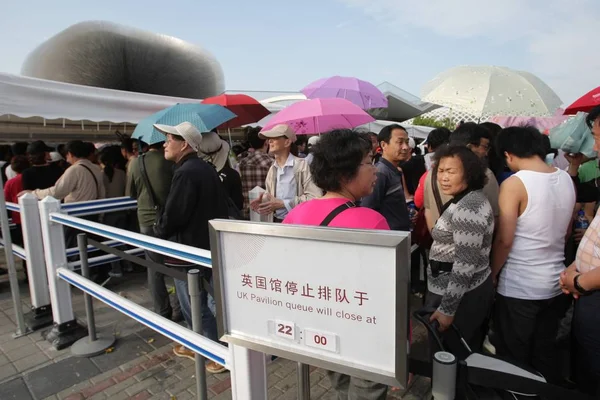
[[284, 45]]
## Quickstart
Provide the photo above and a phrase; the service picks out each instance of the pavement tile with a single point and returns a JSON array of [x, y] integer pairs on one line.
[[105, 375], [3, 360], [221, 386], [14, 344], [30, 362], [153, 338], [59, 376], [125, 350], [145, 395], [139, 386], [159, 386], [120, 387], [97, 387], [15, 390], [7, 371], [22, 352]]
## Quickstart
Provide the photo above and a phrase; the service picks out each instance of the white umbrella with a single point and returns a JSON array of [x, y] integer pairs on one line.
[[486, 91]]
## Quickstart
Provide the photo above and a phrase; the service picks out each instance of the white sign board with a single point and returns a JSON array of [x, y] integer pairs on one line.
[[333, 298]]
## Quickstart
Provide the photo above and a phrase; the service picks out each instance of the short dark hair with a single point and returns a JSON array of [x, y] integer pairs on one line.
[[5, 152], [473, 167], [522, 142], [438, 137], [127, 145], [469, 133], [90, 148], [254, 139], [156, 146], [337, 157], [593, 115], [37, 158], [19, 148], [77, 148], [19, 163], [493, 128], [385, 134]]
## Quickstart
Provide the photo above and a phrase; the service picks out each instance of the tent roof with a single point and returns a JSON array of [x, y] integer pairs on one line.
[[26, 97]]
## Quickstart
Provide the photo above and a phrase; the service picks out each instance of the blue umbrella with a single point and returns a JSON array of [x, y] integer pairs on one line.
[[203, 116]]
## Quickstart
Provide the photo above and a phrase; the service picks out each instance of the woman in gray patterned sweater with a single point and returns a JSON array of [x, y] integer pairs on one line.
[[460, 286]]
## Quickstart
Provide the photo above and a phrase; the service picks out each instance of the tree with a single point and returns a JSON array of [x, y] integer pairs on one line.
[[434, 122]]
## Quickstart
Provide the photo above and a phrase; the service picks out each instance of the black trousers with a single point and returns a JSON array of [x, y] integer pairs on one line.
[[471, 319], [586, 343], [525, 332]]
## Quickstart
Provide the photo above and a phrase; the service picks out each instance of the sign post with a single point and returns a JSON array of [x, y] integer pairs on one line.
[[332, 298]]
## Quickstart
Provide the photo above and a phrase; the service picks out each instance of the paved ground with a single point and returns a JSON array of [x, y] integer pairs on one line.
[[141, 365]]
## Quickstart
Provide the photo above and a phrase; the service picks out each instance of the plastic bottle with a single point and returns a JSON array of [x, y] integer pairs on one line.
[[412, 212], [581, 221]]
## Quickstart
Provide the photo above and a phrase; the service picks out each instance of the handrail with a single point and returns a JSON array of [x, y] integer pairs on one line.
[[17, 250], [13, 207], [100, 202], [104, 259], [73, 251], [191, 340], [179, 251]]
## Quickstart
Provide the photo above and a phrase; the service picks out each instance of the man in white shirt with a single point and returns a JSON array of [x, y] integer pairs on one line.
[[288, 182], [536, 209]]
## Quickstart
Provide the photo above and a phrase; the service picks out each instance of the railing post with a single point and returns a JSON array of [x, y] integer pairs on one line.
[[248, 373], [41, 311], [303, 372], [90, 345], [10, 262], [65, 330], [194, 292]]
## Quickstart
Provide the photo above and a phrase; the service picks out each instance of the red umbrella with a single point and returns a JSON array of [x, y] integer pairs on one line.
[[585, 103], [247, 109]]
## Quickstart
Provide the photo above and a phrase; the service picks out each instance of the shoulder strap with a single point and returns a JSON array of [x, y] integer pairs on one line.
[[337, 211], [436, 190], [95, 180], [142, 162]]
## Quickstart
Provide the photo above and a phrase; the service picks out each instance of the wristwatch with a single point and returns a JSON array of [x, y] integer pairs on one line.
[[581, 290]]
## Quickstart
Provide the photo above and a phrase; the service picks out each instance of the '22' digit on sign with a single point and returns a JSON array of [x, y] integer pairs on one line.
[[285, 329]]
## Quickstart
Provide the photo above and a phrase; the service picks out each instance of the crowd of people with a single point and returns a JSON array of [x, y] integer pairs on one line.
[[494, 218]]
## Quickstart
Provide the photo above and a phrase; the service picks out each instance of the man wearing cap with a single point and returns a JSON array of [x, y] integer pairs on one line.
[[255, 167], [196, 196], [42, 174], [312, 141], [288, 182]]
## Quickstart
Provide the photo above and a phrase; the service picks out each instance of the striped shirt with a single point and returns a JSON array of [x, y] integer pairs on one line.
[[462, 236]]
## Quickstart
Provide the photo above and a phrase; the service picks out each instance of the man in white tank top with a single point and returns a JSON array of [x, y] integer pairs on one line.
[[536, 212]]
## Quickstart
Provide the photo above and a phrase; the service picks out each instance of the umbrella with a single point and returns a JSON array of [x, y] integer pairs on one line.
[[488, 91], [203, 116], [585, 103], [247, 109], [573, 136], [320, 115], [362, 93]]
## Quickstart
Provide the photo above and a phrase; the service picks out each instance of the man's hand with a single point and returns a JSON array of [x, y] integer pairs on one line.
[[578, 235], [566, 281], [270, 206], [444, 320], [254, 204], [576, 159]]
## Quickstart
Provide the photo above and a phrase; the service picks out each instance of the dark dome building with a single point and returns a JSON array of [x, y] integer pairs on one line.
[[103, 54]]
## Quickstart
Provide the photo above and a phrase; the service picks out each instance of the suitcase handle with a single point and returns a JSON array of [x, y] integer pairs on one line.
[[422, 315]]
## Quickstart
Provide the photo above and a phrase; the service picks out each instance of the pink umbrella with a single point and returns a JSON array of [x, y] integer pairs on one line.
[[320, 115], [362, 93]]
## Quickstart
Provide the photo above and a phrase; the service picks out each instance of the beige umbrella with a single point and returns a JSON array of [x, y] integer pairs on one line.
[[487, 91]]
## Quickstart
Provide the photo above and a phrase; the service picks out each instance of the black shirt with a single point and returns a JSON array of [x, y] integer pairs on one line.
[[41, 176], [388, 196], [233, 185], [413, 169]]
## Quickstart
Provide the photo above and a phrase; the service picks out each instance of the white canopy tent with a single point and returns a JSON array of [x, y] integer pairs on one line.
[[33, 108]]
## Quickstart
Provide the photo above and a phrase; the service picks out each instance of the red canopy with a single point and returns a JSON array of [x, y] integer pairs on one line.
[[585, 103], [247, 109]]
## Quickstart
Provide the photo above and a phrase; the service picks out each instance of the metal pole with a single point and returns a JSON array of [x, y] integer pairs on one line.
[[194, 291], [91, 345], [303, 382], [10, 262], [85, 272]]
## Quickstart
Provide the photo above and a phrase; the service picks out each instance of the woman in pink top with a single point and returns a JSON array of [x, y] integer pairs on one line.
[[343, 168]]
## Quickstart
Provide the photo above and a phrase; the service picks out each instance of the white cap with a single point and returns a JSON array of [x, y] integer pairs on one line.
[[186, 130], [313, 140], [278, 131], [411, 143], [55, 156]]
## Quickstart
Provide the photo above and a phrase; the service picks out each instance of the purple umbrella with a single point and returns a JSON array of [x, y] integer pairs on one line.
[[320, 115], [362, 93]]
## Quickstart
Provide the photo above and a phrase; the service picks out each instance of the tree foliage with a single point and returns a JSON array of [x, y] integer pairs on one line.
[[434, 122]]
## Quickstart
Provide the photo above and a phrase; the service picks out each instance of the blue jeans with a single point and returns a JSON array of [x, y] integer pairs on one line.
[[209, 323]]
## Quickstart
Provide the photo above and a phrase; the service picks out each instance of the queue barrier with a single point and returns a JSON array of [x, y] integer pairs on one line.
[[248, 368]]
